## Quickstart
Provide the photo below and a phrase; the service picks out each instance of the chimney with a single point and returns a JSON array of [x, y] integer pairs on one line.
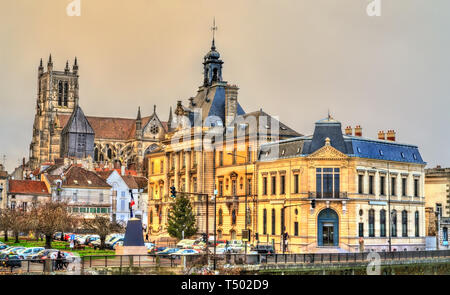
[[358, 130], [231, 96], [23, 162], [122, 170], [348, 130], [381, 135], [391, 135]]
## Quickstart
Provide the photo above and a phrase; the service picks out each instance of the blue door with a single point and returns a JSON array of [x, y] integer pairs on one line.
[[328, 228]]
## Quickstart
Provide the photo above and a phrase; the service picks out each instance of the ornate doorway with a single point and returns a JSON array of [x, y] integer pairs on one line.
[[328, 228]]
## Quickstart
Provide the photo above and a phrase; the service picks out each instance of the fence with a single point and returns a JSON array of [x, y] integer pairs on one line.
[[157, 261]]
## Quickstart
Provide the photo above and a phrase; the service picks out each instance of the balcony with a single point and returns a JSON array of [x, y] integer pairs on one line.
[[328, 195]]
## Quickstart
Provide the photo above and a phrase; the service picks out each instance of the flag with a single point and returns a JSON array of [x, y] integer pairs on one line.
[[131, 204]]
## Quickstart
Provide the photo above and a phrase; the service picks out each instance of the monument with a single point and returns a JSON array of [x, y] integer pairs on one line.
[[133, 243]]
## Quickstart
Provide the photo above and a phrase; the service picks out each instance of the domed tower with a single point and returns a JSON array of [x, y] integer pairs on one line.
[[212, 66]]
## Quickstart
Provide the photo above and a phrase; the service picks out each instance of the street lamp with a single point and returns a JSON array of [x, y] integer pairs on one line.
[[245, 188], [213, 198], [389, 205]]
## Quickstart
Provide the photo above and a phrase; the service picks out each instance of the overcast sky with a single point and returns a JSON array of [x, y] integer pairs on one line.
[[294, 58]]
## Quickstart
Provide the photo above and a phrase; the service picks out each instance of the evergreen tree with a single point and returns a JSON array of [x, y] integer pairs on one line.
[[181, 218]]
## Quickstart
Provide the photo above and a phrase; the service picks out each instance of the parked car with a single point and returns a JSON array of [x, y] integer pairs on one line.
[[156, 250], [10, 260], [185, 243], [27, 253], [44, 254], [12, 250], [166, 252], [3, 247], [111, 245], [184, 252], [264, 249]]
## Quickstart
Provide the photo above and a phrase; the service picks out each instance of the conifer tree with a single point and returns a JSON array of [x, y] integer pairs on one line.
[[181, 218]]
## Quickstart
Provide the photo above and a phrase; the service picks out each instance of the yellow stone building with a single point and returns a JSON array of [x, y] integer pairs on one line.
[[333, 190]]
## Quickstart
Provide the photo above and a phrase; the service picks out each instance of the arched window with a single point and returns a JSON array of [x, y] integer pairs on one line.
[[404, 223], [264, 221], [445, 234], [371, 223], [233, 217], [96, 155], [382, 223], [394, 223], [273, 221], [60, 93], [66, 93], [109, 153], [416, 223], [220, 217]]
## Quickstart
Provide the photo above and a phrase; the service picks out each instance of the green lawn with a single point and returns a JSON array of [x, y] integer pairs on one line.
[[57, 245]]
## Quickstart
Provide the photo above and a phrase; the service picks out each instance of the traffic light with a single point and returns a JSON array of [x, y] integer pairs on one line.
[[173, 192], [313, 203]]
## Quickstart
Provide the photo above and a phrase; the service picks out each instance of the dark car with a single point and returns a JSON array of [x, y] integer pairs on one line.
[[10, 260], [264, 249]]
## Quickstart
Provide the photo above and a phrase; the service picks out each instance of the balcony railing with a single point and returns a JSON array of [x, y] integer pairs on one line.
[[328, 195]]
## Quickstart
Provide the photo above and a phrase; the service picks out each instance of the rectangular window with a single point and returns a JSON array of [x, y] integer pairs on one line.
[[264, 186], [296, 186], [265, 221], [370, 184], [360, 184], [273, 221], [249, 186], [233, 187], [328, 182], [404, 187], [382, 183], [361, 229], [393, 186], [383, 223], [296, 229], [416, 187], [194, 184], [161, 166], [416, 223], [104, 210], [274, 185], [282, 184], [75, 196], [75, 209], [92, 210], [82, 210], [220, 188], [221, 158], [439, 209], [100, 199], [404, 223], [394, 223], [319, 182], [371, 223]]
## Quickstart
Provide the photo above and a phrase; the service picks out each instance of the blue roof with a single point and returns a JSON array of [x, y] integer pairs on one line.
[[218, 105], [385, 150]]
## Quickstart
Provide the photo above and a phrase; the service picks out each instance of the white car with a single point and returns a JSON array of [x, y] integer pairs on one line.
[[29, 252], [183, 252]]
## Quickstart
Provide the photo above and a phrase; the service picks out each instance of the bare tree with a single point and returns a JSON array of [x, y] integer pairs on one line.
[[19, 219], [52, 217], [103, 226], [5, 222]]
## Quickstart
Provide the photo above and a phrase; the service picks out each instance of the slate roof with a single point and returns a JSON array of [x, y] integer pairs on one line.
[[110, 127], [352, 146], [78, 123], [27, 187]]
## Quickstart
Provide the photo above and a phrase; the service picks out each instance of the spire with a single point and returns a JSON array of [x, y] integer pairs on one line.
[[40, 64], [75, 66], [41, 68], [138, 118], [169, 121], [67, 69], [154, 109], [50, 63], [214, 29]]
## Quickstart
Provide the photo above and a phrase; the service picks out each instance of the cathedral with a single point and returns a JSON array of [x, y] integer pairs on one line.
[[61, 129]]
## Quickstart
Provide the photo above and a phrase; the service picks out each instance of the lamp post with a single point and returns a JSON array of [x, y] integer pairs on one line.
[[245, 188], [389, 205], [213, 198]]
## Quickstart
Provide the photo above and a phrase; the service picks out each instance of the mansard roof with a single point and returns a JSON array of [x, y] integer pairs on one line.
[[352, 146]]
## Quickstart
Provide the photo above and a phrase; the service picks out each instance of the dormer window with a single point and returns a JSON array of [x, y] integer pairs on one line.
[[358, 149], [381, 153], [402, 154], [414, 156]]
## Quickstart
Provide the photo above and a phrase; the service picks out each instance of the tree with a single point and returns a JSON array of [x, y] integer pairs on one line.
[[51, 218], [19, 222], [181, 218], [5, 222], [102, 226]]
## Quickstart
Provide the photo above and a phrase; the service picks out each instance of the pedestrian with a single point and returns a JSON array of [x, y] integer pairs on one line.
[[146, 236], [59, 261], [71, 244], [361, 244]]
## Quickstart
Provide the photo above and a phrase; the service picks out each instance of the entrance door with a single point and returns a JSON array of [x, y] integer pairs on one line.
[[328, 234], [328, 228]]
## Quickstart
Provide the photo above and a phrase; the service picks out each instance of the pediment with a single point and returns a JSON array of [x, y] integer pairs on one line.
[[327, 152]]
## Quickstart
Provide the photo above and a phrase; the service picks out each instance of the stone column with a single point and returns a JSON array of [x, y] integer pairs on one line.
[[187, 170], [177, 170]]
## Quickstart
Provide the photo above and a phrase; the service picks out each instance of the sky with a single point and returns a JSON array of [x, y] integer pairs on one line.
[[295, 59]]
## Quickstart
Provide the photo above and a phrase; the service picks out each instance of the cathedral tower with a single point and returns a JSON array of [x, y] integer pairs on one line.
[[57, 94]]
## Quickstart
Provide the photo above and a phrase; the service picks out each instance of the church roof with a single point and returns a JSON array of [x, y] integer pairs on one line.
[[78, 123], [110, 127]]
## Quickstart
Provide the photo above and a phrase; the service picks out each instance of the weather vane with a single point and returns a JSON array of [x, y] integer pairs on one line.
[[214, 28]]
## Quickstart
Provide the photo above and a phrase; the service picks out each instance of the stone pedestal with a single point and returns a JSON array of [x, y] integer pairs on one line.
[[133, 243]]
